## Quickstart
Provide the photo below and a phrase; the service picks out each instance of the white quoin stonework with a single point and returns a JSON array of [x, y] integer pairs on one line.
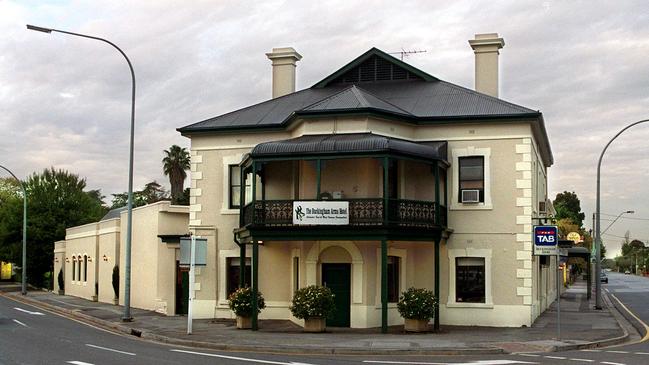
[[195, 191], [524, 220]]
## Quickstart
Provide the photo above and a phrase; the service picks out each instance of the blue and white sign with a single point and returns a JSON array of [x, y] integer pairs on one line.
[[546, 239]]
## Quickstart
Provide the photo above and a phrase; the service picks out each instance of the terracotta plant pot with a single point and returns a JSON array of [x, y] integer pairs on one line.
[[415, 325], [316, 324], [244, 323]]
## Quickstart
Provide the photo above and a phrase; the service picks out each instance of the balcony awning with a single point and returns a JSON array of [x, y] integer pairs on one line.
[[346, 144]]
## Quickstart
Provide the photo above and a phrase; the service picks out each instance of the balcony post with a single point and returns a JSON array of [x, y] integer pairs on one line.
[[318, 177], [255, 283], [386, 167], [437, 239], [384, 286], [255, 251], [254, 186], [438, 219]]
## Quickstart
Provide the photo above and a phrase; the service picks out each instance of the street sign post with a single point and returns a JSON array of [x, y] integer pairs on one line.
[[546, 240], [193, 252]]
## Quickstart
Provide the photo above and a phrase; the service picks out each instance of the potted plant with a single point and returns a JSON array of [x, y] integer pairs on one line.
[[240, 302], [61, 282], [417, 307], [313, 304], [116, 284]]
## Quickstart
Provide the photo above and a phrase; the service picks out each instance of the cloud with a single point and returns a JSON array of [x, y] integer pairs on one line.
[[64, 101]]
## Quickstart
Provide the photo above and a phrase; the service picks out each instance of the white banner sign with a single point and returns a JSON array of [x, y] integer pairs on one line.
[[321, 212]]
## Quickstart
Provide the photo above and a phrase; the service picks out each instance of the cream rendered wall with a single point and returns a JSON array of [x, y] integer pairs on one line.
[[503, 228], [152, 262], [108, 257], [80, 241]]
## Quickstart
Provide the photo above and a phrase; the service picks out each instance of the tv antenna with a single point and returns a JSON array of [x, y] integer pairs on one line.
[[406, 53]]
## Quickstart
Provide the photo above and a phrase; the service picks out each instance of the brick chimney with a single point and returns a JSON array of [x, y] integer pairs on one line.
[[486, 46], [283, 60]]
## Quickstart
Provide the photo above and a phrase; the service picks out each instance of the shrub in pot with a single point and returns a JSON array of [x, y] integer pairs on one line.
[[417, 307], [313, 304], [240, 302]]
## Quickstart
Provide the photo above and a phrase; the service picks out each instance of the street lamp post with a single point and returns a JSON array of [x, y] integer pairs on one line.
[[598, 237], [127, 266], [24, 268], [616, 218]]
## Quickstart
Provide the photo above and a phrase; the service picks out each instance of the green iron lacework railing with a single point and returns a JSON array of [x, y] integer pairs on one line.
[[362, 212]]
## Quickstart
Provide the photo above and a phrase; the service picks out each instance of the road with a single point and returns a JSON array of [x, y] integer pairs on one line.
[[32, 336]]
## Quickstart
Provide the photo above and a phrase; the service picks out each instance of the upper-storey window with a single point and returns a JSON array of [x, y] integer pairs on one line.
[[472, 179], [235, 186]]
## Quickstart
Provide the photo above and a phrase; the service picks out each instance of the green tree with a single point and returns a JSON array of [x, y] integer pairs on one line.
[[567, 205], [56, 201], [174, 165], [151, 193]]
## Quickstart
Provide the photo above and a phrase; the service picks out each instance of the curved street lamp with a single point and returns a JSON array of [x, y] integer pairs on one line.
[[616, 218], [24, 268], [127, 266], [598, 237]]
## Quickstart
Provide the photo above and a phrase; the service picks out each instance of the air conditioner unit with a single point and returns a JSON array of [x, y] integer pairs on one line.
[[542, 209], [470, 196]]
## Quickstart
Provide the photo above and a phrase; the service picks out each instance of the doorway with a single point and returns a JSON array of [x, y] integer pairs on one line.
[[182, 289], [337, 277]]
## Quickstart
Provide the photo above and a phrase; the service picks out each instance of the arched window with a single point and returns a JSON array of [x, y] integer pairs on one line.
[[79, 268], [74, 267], [85, 268]]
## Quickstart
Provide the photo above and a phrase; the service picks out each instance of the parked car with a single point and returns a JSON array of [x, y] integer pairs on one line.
[[627, 272], [603, 278]]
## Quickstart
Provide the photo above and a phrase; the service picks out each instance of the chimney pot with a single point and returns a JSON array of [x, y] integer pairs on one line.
[[486, 46], [283, 61]]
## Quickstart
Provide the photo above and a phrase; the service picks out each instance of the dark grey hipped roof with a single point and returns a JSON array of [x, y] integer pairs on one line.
[[113, 213], [357, 143], [399, 91]]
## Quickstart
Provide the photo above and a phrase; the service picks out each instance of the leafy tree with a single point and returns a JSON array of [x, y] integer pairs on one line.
[[184, 198], [567, 205], [56, 200], [9, 189], [174, 165], [151, 193]]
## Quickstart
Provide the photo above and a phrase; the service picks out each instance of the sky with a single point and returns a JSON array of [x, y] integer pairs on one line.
[[65, 101]]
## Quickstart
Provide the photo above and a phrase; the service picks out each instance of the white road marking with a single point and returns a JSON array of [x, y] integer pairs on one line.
[[618, 352], [109, 349], [20, 323], [584, 360], [612, 363], [641, 353], [479, 362], [29, 312], [555, 357], [530, 355], [236, 358], [591, 350], [79, 363]]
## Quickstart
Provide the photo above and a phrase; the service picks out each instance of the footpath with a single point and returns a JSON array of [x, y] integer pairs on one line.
[[581, 327]]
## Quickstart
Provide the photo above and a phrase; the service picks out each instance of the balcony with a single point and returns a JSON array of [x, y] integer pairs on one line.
[[371, 212], [377, 188]]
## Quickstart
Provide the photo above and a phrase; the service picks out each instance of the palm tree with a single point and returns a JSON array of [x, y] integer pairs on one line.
[[174, 164]]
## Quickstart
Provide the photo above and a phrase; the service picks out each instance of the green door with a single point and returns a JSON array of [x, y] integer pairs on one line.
[[182, 289], [337, 277]]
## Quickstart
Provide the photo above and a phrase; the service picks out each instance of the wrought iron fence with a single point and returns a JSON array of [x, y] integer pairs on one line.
[[362, 212]]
